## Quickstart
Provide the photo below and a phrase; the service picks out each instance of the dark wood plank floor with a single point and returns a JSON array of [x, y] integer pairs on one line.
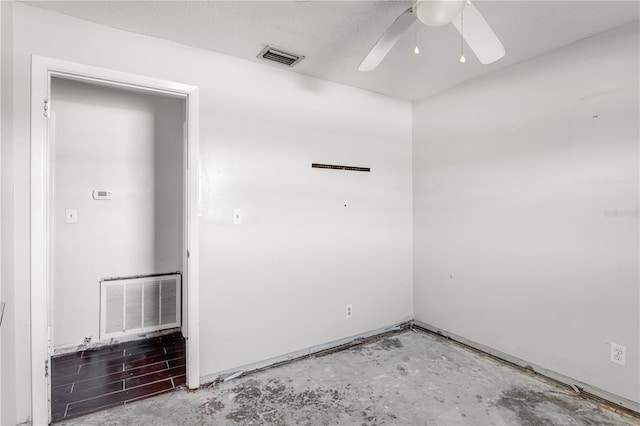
[[92, 380]]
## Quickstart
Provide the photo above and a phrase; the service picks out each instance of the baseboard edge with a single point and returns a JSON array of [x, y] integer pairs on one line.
[[616, 402], [318, 350]]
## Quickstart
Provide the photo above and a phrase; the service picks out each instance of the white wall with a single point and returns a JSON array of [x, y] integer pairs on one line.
[[280, 281], [131, 144], [2, 126], [516, 242], [7, 330]]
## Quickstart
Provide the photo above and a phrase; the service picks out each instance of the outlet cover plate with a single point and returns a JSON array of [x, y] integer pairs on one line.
[[618, 354], [349, 311]]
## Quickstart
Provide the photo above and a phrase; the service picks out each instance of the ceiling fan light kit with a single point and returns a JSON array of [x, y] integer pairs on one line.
[[437, 13], [477, 33]]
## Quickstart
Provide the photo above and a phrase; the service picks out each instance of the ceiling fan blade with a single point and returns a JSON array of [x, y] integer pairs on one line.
[[479, 35], [390, 37]]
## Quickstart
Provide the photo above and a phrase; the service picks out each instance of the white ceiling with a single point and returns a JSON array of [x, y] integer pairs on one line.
[[335, 36]]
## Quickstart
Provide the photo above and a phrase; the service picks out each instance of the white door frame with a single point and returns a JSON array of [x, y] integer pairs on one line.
[[42, 71]]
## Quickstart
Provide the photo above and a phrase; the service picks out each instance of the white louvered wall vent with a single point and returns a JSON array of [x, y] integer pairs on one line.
[[276, 55], [139, 305]]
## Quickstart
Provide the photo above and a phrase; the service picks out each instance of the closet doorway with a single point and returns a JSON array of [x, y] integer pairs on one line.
[[114, 277]]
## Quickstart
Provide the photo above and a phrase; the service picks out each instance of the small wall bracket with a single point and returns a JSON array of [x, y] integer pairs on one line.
[[338, 167]]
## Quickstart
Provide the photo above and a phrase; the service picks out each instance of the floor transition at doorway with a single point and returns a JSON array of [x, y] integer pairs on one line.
[[92, 380]]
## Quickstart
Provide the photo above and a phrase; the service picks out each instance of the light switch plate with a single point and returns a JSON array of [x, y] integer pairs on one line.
[[237, 217], [71, 216]]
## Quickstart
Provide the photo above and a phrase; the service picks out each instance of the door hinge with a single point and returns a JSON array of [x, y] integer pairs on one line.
[[46, 368], [188, 255], [46, 108]]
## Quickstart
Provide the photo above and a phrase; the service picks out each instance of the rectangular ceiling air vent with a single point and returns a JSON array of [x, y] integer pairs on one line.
[[276, 55]]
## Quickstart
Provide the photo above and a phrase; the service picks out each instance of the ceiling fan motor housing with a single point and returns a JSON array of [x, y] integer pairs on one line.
[[436, 13]]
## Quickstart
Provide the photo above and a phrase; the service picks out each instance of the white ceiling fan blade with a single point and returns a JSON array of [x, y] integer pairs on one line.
[[390, 37], [479, 35]]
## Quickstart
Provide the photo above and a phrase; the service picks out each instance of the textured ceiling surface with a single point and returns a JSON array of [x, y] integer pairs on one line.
[[335, 36]]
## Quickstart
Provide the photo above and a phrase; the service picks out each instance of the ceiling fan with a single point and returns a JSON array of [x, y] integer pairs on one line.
[[462, 14]]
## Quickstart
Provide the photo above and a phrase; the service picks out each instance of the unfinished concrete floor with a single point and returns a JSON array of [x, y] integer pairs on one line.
[[404, 379]]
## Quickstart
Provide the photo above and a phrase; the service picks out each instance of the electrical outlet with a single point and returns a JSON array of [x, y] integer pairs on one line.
[[349, 311], [87, 340], [618, 354]]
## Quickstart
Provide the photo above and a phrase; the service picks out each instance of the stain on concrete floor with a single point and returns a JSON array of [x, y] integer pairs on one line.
[[268, 402], [404, 379], [533, 407]]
